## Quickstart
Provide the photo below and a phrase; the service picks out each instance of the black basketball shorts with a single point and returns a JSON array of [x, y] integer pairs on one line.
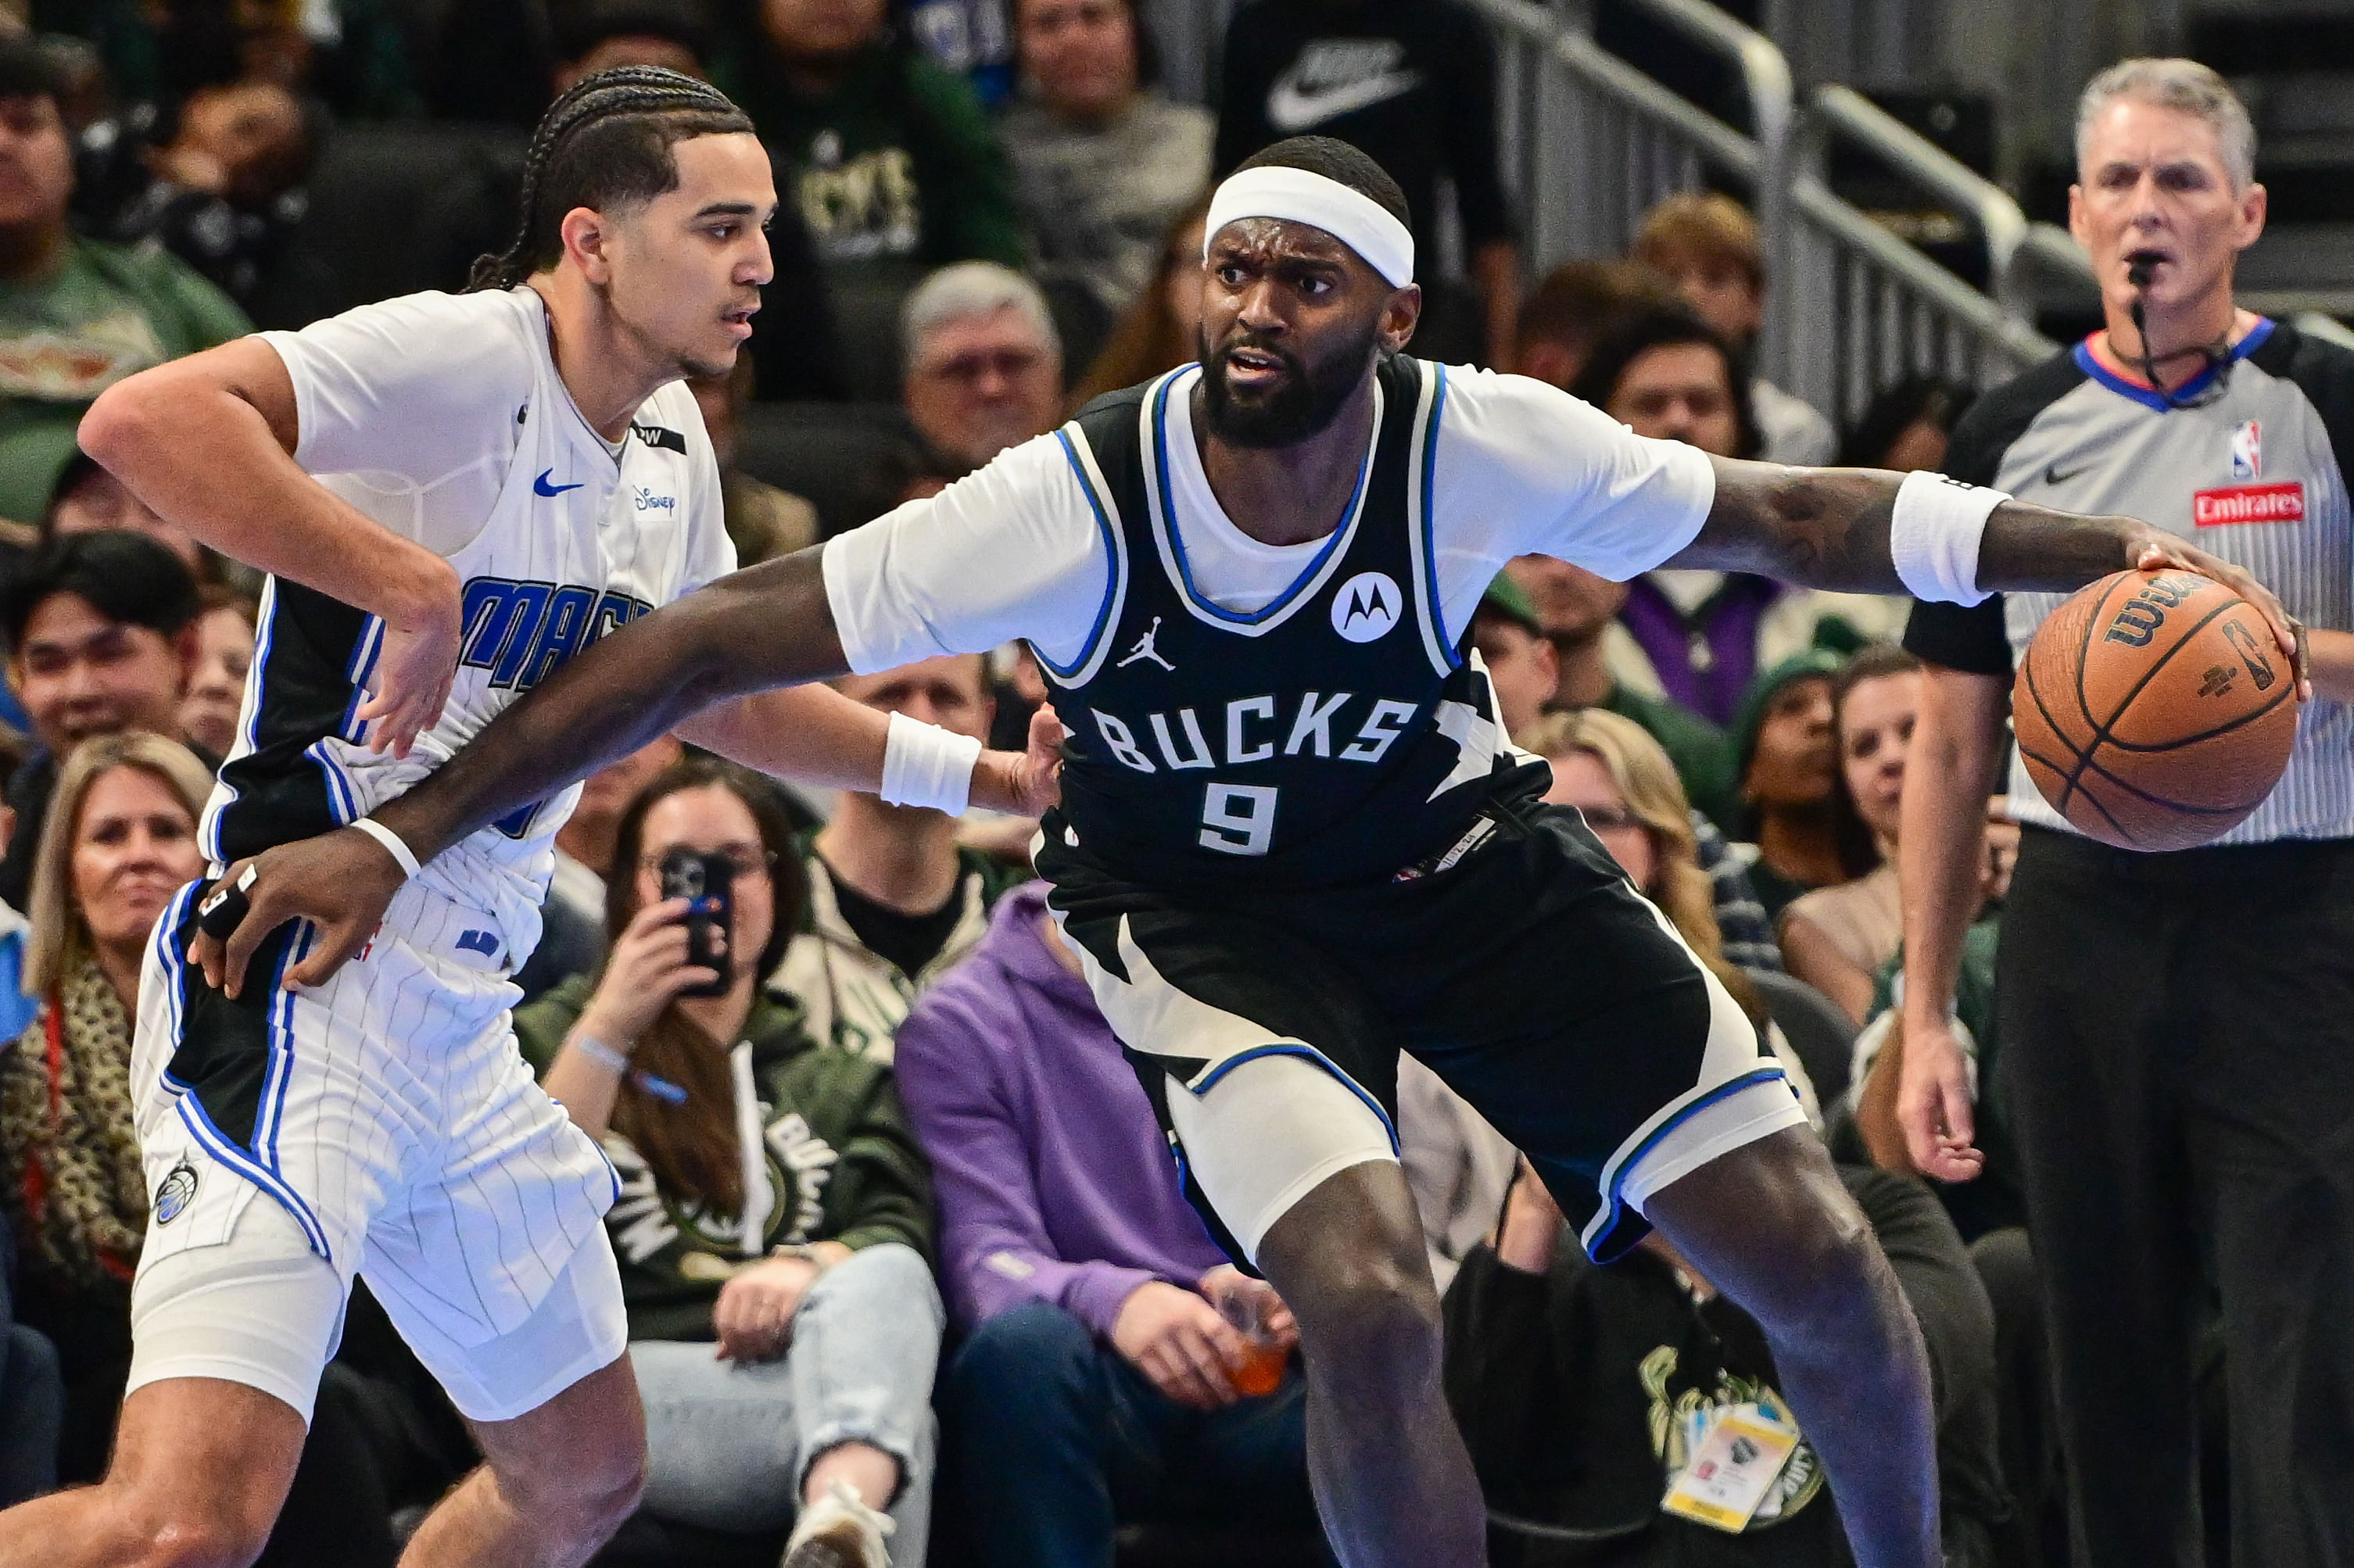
[[1526, 972]]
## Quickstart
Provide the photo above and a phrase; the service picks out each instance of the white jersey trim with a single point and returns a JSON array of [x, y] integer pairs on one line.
[[1107, 512], [1430, 409], [1153, 415]]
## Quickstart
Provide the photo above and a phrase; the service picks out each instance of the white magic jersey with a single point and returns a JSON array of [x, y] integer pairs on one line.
[[442, 418]]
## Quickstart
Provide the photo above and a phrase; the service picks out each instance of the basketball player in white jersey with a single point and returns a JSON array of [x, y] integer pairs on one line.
[[1293, 841], [464, 489]]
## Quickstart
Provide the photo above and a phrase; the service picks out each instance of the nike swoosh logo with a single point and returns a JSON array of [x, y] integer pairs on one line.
[[540, 486], [2051, 474], [1292, 109]]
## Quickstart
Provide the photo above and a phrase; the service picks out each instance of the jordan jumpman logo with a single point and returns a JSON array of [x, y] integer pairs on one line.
[[1145, 650]]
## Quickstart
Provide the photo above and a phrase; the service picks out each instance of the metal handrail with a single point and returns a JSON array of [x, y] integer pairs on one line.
[[1612, 77], [1587, 142], [2055, 250], [2001, 222], [1813, 200], [1773, 120], [1590, 143]]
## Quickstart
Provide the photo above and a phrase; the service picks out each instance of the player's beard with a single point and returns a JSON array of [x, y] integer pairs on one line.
[[1309, 398]]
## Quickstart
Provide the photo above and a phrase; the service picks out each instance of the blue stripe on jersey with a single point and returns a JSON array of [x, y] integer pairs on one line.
[[362, 665], [1111, 565], [257, 684], [199, 1124], [2148, 399], [1168, 522], [339, 800], [1292, 1048], [1613, 1203], [281, 1048], [217, 1144], [167, 953], [1429, 503]]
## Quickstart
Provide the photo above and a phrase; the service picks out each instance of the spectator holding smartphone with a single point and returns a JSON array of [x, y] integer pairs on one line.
[[772, 1199]]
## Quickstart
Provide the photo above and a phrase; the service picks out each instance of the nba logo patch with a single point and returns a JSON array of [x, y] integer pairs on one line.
[[2247, 450]]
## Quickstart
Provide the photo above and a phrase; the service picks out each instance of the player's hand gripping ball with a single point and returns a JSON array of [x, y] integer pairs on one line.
[[2154, 710]]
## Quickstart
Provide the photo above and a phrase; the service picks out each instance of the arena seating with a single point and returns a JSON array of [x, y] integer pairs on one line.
[[1817, 1031], [402, 206]]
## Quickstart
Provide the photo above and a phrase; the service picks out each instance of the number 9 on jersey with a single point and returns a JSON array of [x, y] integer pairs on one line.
[[1238, 819]]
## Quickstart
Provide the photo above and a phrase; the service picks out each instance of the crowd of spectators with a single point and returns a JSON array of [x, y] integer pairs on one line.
[[901, 1245]]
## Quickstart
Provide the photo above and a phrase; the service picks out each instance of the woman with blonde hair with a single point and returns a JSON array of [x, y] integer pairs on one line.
[[1610, 768], [1621, 781], [119, 840]]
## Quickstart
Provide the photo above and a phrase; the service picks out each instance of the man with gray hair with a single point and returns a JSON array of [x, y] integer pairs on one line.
[[2176, 1026], [984, 367]]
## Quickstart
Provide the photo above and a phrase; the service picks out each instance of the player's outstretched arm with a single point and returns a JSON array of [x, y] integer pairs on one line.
[[768, 627], [1830, 528], [208, 442], [1957, 742]]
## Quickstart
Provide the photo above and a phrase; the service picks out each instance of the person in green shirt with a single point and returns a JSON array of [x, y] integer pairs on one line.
[[1576, 610], [770, 1197], [887, 156], [76, 315]]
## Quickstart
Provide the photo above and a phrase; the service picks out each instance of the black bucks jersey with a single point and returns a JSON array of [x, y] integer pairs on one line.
[[1331, 735]]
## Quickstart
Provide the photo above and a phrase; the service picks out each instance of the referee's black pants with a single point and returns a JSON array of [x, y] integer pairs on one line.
[[2177, 1060]]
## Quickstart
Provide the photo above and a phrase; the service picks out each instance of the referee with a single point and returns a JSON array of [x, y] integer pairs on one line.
[[2177, 1029]]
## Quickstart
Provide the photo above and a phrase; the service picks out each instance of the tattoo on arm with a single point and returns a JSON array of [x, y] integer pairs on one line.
[[1828, 528], [769, 626], [1820, 527]]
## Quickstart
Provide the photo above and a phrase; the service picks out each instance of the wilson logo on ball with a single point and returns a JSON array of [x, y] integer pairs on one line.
[[2151, 711], [2143, 614]]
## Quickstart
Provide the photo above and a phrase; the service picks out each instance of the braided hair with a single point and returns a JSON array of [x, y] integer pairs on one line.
[[606, 141]]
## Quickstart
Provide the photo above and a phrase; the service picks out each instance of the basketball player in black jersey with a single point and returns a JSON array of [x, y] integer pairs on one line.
[[1293, 841]]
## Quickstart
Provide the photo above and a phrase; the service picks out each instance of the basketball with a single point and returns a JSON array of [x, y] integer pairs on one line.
[[2155, 711]]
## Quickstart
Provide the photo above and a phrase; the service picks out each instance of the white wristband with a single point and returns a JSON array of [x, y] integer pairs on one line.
[[392, 843], [1933, 533], [923, 765]]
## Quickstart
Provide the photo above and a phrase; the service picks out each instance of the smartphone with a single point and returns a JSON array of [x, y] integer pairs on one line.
[[690, 874]]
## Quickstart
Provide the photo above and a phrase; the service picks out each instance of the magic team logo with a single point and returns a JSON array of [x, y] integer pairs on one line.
[[523, 633], [1366, 607], [175, 1193], [2247, 450]]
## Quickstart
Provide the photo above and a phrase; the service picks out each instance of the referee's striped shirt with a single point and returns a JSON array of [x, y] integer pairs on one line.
[[2251, 473]]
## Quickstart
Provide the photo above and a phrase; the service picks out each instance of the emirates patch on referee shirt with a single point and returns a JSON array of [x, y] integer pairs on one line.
[[2280, 503]]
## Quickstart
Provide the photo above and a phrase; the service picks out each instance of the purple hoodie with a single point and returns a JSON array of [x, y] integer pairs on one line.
[[1054, 1182]]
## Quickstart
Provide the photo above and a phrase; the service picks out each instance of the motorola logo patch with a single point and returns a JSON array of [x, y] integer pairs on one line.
[[1366, 607]]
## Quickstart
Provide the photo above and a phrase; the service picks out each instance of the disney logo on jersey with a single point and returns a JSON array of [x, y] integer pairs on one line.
[[522, 633], [2248, 450], [1315, 723], [647, 500], [1367, 606]]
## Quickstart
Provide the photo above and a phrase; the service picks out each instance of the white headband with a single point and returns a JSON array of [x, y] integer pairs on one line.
[[1296, 196]]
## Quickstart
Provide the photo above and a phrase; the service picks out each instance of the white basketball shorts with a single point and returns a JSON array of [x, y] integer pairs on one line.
[[389, 1112]]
